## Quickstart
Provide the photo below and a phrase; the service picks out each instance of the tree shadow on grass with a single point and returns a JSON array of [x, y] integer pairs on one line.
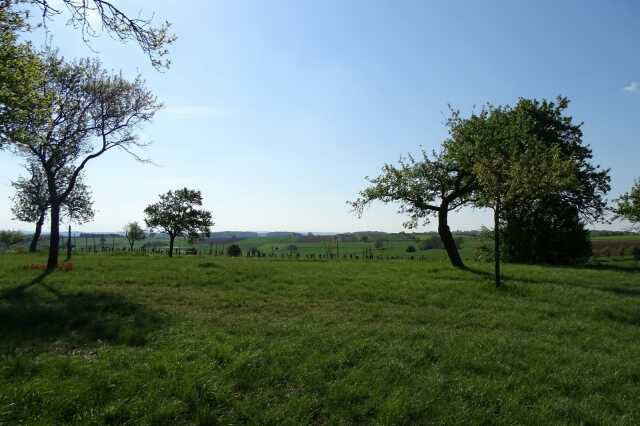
[[36, 319], [631, 291]]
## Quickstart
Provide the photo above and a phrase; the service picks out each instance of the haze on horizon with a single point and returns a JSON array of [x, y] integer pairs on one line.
[[278, 112]]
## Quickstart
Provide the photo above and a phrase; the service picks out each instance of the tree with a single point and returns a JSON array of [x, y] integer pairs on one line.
[[433, 186], [234, 250], [133, 232], [545, 231], [10, 238], [89, 113], [552, 228], [509, 162], [154, 40], [628, 205], [177, 215], [379, 243], [31, 200], [20, 75]]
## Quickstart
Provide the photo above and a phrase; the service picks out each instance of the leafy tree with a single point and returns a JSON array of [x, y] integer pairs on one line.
[[628, 205], [90, 112], [379, 243], [555, 222], [432, 186], [547, 231], [20, 75], [31, 200], [177, 215], [234, 250], [154, 40], [510, 163], [10, 238], [133, 232], [411, 249]]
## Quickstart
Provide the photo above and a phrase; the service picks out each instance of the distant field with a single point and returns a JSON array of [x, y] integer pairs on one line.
[[394, 246], [212, 340]]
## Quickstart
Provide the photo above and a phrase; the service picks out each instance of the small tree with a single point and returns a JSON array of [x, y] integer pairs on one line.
[[628, 205], [379, 243], [431, 186], [177, 215], [234, 250], [133, 232], [31, 200], [10, 238]]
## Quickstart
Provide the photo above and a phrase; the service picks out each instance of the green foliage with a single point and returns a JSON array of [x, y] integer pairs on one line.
[[234, 250], [379, 243], [10, 238], [549, 231], [636, 253], [177, 215], [433, 243], [133, 340], [21, 74], [628, 205], [411, 249], [31, 198], [133, 232]]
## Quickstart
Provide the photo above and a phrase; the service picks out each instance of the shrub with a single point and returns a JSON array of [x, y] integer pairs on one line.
[[431, 244], [234, 250], [636, 253], [411, 249]]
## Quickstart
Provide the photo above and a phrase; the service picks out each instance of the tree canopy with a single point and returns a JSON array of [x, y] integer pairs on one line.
[[628, 205], [88, 112], [133, 232], [31, 199], [177, 214]]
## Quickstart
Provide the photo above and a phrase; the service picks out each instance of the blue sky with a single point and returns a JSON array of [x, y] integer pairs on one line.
[[276, 110]]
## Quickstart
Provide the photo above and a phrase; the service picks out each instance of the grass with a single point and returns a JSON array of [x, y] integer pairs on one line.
[[208, 340]]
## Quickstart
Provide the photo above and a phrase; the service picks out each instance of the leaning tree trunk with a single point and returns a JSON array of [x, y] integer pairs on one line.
[[33, 247], [447, 238], [54, 240], [496, 239]]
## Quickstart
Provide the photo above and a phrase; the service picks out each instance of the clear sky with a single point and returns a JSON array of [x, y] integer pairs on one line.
[[277, 110]]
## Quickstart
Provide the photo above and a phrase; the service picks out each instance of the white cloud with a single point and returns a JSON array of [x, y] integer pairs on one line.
[[194, 111], [632, 87]]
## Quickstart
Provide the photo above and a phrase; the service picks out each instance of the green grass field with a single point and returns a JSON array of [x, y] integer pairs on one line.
[[212, 340]]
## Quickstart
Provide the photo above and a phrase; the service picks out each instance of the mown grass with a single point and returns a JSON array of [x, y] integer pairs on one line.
[[205, 340]]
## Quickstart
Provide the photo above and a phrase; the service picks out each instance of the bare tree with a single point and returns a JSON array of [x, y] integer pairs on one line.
[[31, 200], [90, 112], [153, 39]]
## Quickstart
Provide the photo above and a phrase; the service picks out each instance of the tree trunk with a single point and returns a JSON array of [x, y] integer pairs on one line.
[[447, 238], [171, 238], [33, 247], [69, 244], [54, 240], [496, 239]]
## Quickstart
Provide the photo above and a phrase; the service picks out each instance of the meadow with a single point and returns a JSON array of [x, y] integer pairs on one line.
[[216, 340]]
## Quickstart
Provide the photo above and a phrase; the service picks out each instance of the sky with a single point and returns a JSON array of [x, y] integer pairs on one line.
[[277, 110]]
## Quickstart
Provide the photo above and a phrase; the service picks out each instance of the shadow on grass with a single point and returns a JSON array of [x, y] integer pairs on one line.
[[42, 317], [631, 291]]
